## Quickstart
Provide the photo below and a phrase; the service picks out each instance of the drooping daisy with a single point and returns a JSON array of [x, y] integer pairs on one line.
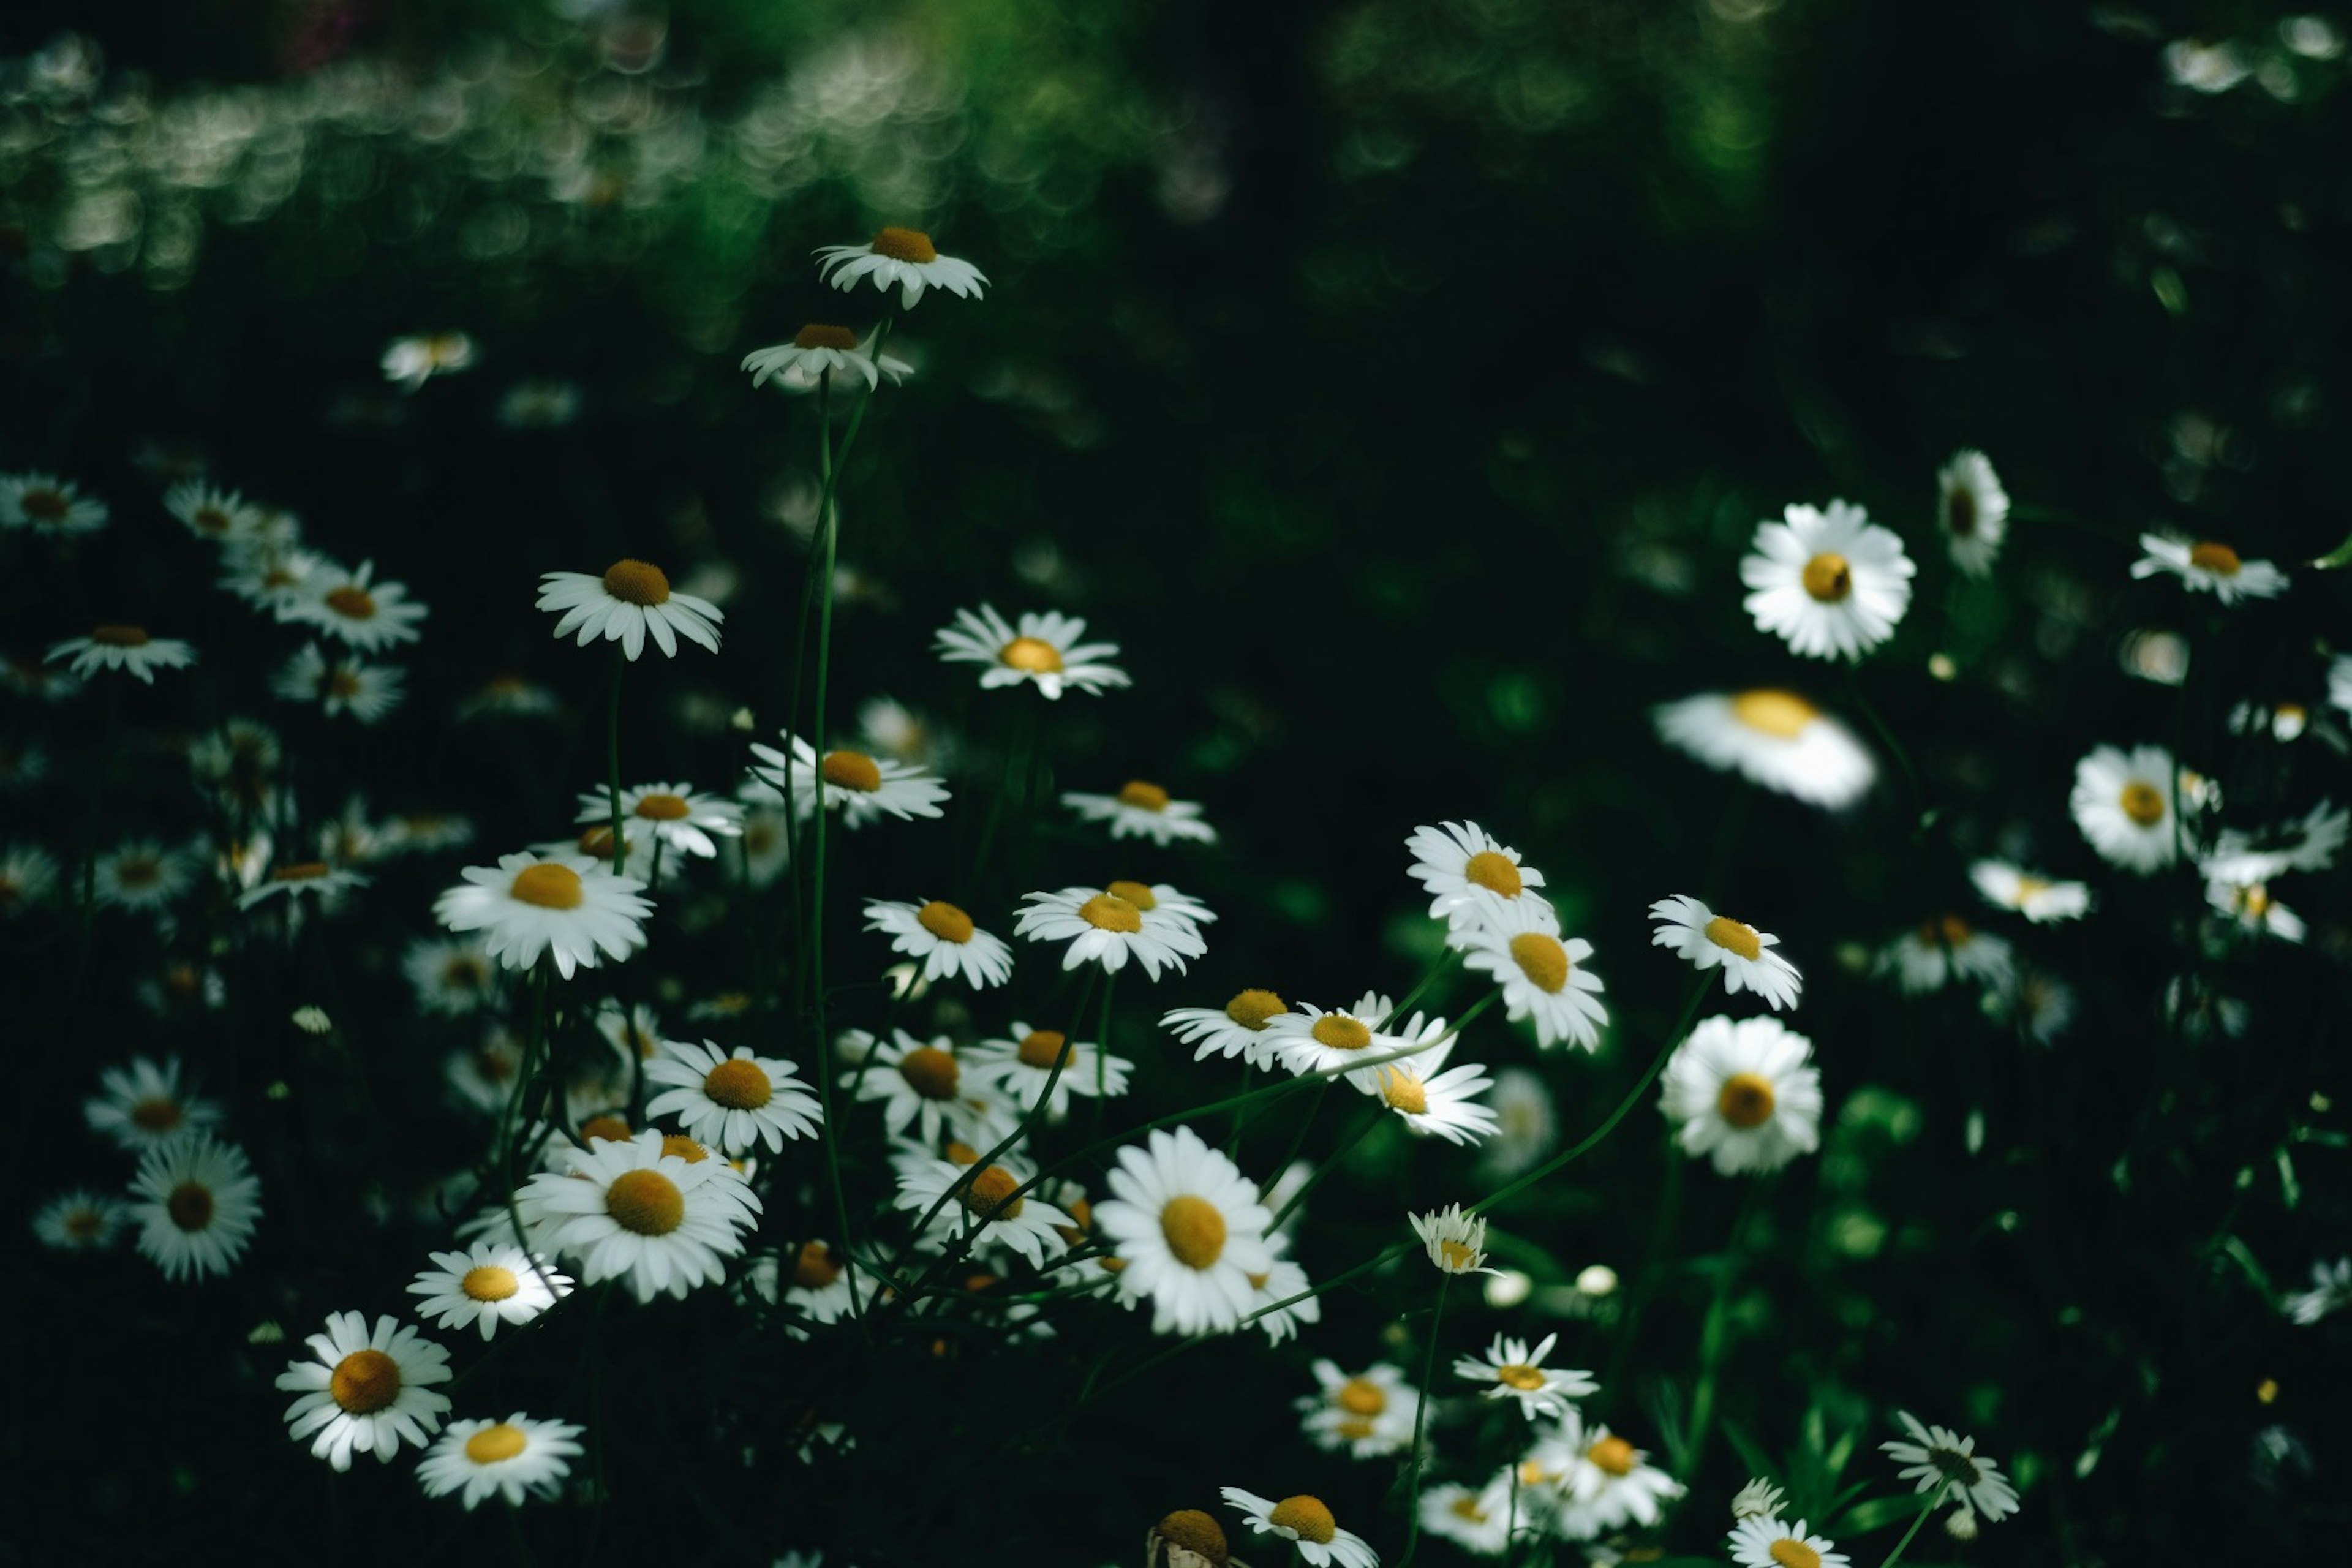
[[567, 906], [1105, 928], [1473, 878], [816, 351], [1973, 509], [2330, 1293], [451, 978], [1431, 1098], [1743, 1093], [859, 786], [1936, 1455], [366, 1391], [2122, 804], [985, 1207], [903, 258], [488, 1284], [1773, 738], [1184, 1539], [626, 1210], [125, 647], [2038, 898], [673, 814], [2251, 908], [195, 1202], [1604, 1482], [810, 1280], [923, 1086], [293, 879], [1477, 1519], [344, 685], [1455, 1242], [738, 1101], [1706, 939], [80, 1222], [409, 363], [1771, 1542], [368, 614], [632, 598], [1239, 1029], [223, 517], [1042, 649], [1519, 1373], [1544, 979], [1306, 1520], [142, 1104], [47, 504], [945, 939], [1367, 1414], [1308, 1039], [1926, 958], [1830, 583], [1143, 810], [1024, 1062], [1759, 1499], [1191, 1230], [2208, 567], [515, 1458]]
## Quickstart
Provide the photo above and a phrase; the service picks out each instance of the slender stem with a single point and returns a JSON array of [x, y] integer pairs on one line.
[[1445, 959], [1102, 1058], [612, 761], [1420, 1422], [1241, 1115], [1337, 1156], [1910, 774], [1896, 1555]]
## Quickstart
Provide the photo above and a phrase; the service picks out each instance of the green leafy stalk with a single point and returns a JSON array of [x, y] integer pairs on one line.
[[1420, 1421]]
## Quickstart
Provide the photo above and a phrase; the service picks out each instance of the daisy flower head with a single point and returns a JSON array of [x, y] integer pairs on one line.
[[1431, 1098], [2250, 906], [1143, 810], [627, 1209], [928, 1086], [2339, 681], [295, 878], [1928, 957], [1110, 924], [1936, 1455], [1306, 1521], [816, 351], [1771, 1542], [366, 1391], [195, 1202], [223, 517], [1526, 1125], [1543, 978], [80, 1222], [1973, 509], [450, 978], [1278, 1300], [1477, 1519], [2041, 1003], [269, 577], [1604, 1482], [339, 686], [1186, 1539], [1517, 1372], [736, 1101], [2330, 1293], [1366, 1414], [1024, 1062], [409, 363], [2122, 804], [1455, 1242], [488, 1284], [515, 1458], [1828, 583], [810, 1280], [368, 614], [1706, 939], [1042, 649], [2283, 722], [672, 813], [985, 1207], [47, 504], [861, 787], [903, 258], [1771, 738], [1743, 1092], [1759, 1499], [123, 647], [142, 1104], [1308, 1039], [567, 906], [1239, 1029], [1190, 1229], [2310, 845], [2040, 900], [944, 938], [631, 599], [2206, 566], [1473, 878]]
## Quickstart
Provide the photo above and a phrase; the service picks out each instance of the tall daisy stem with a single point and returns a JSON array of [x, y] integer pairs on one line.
[[1895, 1556], [613, 762], [1421, 1422], [1332, 1162]]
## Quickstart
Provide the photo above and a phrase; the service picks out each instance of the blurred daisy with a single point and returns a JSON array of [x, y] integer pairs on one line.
[[2310, 845], [539, 405], [2123, 802], [1477, 1519], [409, 363], [1239, 1029], [1776, 739], [1525, 1126], [811, 1281], [269, 577], [985, 1209], [568, 907], [1043, 648], [1278, 1300], [2041, 1003], [1830, 583], [1308, 1039], [1927, 958], [944, 938], [1759, 1498], [635, 1034], [47, 504], [142, 1104], [1431, 1098], [28, 873], [903, 258], [1185, 1538], [816, 351], [1936, 1455], [127, 649], [1606, 1483], [1143, 810], [1367, 1414], [2209, 567], [2250, 906], [765, 845], [860, 787], [1771, 1544], [631, 599], [1517, 1372], [672, 813], [1706, 939], [1473, 878], [223, 517], [294, 878], [366, 1391], [1543, 978], [1305, 1521], [450, 978], [509, 694], [1973, 509], [365, 691], [2038, 898], [627, 1210], [2283, 722], [1455, 1242], [28, 677], [925, 1087], [1190, 1229], [80, 1222], [2330, 1293], [485, 1075], [1023, 1063], [195, 1202], [894, 730], [1743, 1093], [1103, 928], [368, 614], [488, 1284], [2339, 681], [736, 1102], [515, 1458]]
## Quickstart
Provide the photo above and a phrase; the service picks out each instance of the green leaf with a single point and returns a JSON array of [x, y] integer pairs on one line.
[[1875, 1514], [2338, 557]]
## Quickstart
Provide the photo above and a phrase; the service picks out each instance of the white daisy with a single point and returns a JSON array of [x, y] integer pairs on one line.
[[1431, 1098], [488, 1284], [539, 405], [269, 578], [567, 906], [2250, 906], [47, 504], [409, 363], [1743, 1093], [1473, 878], [894, 730], [2339, 681], [2041, 1003], [632, 598], [1706, 939], [1190, 1229], [1525, 1127], [816, 351], [223, 517], [295, 878], [1042, 649], [1973, 509], [1926, 958], [1103, 927], [1477, 1519], [2038, 898], [2210, 567], [927, 1087], [1759, 1499], [672, 813], [366, 1391], [515, 1458], [451, 978], [344, 685], [2283, 722], [196, 1202], [142, 1104], [814, 1285], [627, 1210], [1304, 1520], [509, 694], [737, 1102], [904, 258], [484, 1075], [2330, 1293], [1455, 1242], [1773, 738], [859, 786], [1239, 1029], [944, 938], [1308, 1039], [985, 1209], [1936, 1455], [125, 647], [2123, 802], [1543, 978], [1518, 1372], [764, 844], [81, 1221], [1830, 583], [1278, 1300], [1772, 1543], [1367, 1414], [369, 616], [2310, 845], [1604, 1482], [1022, 1063], [1143, 810]]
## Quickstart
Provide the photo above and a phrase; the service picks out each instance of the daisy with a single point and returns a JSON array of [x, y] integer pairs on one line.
[[1278, 1300], [2038, 898], [80, 1222], [2283, 722], [365, 1392], [627, 1210], [904, 257], [944, 938], [1519, 1373], [1828, 583], [985, 1208], [1927, 958], [509, 694], [1042, 649], [1526, 1128], [2041, 1003], [1743, 1093], [737, 1102], [127, 649], [2339, 681], [1477, 1519], [269, 577], [1190, 1229], [2210, 567], [1772, 738], [817, 351], [47, 504], [1473, 878], [28, 874], [2250, 904], [539, 405], [1973, 509], [923, 1086], [1366, 1414], [632, 598], [515, 1458], [1239, 1029], [860, 787], [1706, 939], [567, 906], [485, 1075], [1542, 977], [1304, 1520], [815, 1285], [2309, 846], [1103, 927], [1185, 1538], [345, 685], [1143, 810], [2331, 1291], [1771, 1544], [1431, 1098], [142, 1105], [1308, 1039], [1936, 1455], [1759, 1499], [409, 363], [763, 845], [295, 878], [451, 978], [369, 616], [2123, 802], [894, 730], [1604, 1482], [1455, 1242], [673, 813], [209, 512], [1023, 1063], [196, 1202], [488, 1284]]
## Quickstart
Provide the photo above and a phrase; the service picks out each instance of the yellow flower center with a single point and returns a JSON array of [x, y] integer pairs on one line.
[[493, 1444], [1109, 911], [1960, 511], [138, 870], [2254, 900], [813, 336], [1361, 1396], [1949, 930], [605, 1128], [2217, 559], [550, 887], [1197, 1533], [1465, 1507], [116, 636], [1404, 1092], [905, 244], [1459, 1257], [1340, 1032], [190, 1205], [352, 603], [300, 871], [1542, 960], [1356, 1428], [1251, 1009], [343, 681], [962, 1154], [489, 1283], [677, 1145], [851, 770], [1042, 1048], [365, 1381], [945, 921], [1613, 1455], [989, 1195], [597, 842], [660, 806], [159, 1114], [1136, 893], [1305, 1518], [645, 1201], [1033, 655], [817, 1266], [1790, 1554], [1519, 1376], [1143, 796], [1194, 1230], [1745, 1100], [930, 1072], [739, 1084], [1532, 1474], [44, 505], [1828, 578], [83, 1224], [2028, 888], [638, 583], [1783, 715], [1496, 873], [1732, 937], [2143, 803]]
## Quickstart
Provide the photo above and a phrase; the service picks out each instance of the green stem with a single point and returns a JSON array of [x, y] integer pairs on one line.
[[1420, 1421], [1333, 1162], [1438, 966], [1896, 1555], [613, 762], [1903, 757]]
